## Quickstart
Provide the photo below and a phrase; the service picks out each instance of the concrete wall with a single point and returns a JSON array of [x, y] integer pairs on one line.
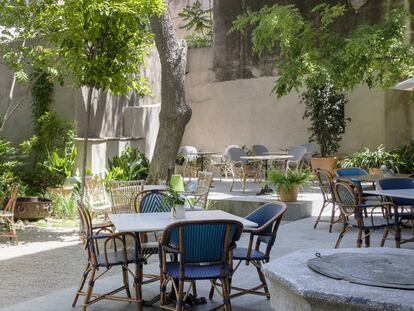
[[244, 112]]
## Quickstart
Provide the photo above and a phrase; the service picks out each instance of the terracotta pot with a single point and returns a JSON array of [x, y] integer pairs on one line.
[[33, 208], [289, 195], [325, 163], [66, 190], [374, 171]]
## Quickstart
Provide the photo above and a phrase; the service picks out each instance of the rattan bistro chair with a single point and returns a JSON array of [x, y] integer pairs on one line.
[[199, 196], [7, 214], [381, 216], [326, 184], [101, 259], [202, 250], [268, 218], [297, 153], [241, 168], [123, 194]]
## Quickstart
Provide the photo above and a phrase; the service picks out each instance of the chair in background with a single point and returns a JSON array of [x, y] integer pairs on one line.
[[348, 200], [311, 150], [189, 156], [268, 218], [297, 153], [351, 171], [220, 163], [97, 197], [259, 150], [123, 194], [7, 213], [97, 243], [241, 168], [406, 205], [197, 196], [326, 184], [202, 250]]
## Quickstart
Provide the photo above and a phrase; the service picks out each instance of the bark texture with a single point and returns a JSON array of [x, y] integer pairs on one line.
[[175, 113]]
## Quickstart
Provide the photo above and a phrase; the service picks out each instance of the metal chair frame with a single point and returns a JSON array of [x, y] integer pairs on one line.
[[349, 202], [241, 169], [99, 257], [177, 250], [7, 214]]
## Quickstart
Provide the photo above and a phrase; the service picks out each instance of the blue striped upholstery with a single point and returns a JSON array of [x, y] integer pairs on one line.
[[154, 202], [397, 183], [351, 171], [197, 272], [240, 253]]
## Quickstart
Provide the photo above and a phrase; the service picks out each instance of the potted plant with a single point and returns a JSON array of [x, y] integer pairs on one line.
[[371, 161], [176, 201], [287, 183], [325, 108]]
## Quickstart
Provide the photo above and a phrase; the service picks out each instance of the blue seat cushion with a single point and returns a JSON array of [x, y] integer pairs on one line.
[[196, 272], [240, 253], [379, 222]]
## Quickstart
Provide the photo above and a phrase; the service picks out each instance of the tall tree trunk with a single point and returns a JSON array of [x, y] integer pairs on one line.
[[85, 140], [175, 113]]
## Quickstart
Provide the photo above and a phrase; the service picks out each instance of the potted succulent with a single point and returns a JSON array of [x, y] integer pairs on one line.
[[325, 108], [176, 201], [287, 183]]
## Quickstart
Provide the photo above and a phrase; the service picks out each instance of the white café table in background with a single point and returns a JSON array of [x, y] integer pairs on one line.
[[150, 222]]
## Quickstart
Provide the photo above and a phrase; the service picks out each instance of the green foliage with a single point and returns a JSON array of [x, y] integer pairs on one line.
[[174, 198], [42, 94], [199, 23], [313, 53], [64, 206], [288, 180], [59, 168], [8, 164], [131, 165], [404, 157], [366, 159], [97, 43], [325, 109]]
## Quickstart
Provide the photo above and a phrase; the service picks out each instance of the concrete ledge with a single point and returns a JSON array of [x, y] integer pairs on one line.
[[295, 287]]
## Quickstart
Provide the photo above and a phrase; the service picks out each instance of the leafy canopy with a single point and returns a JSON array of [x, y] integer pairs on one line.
[[312, 53], [98, 43]]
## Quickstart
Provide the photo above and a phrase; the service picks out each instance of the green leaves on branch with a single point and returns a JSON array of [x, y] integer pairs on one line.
[[313, 53]]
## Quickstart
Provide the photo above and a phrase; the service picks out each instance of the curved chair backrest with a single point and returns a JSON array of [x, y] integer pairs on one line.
[[206, 241], [188, 152], [397, 183], [310, 150], [297, 153], [235, 155], [347, 197], [123, 194], [152, 201], [259, 150], [268, 218], [11, 194], [350, 171], [325, 180]]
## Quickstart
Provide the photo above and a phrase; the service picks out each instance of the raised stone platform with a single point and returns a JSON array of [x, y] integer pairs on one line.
[[295, 287]]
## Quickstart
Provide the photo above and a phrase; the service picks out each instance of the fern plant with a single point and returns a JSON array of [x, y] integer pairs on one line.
[[288, 180]]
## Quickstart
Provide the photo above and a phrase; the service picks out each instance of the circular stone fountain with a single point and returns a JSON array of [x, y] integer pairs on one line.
[[337, 280]]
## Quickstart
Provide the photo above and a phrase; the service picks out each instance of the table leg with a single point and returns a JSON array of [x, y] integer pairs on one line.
[[202, 162], [265, 189]]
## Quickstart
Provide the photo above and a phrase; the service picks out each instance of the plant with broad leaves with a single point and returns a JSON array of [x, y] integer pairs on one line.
[[131, 165], [366, 159], [288, 180]]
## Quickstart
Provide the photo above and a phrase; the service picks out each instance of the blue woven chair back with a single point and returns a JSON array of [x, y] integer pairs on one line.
[[259, 150], [397, 183], [203, 241], [267, 215], [154, 202], [235, 155], [350, 171]]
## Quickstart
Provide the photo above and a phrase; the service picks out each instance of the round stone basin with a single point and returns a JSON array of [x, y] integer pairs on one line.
[[296, 287]]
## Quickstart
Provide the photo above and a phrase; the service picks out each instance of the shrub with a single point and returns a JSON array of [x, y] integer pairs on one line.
[[366, 159], [280, 179], [8, 164], [131, 165]]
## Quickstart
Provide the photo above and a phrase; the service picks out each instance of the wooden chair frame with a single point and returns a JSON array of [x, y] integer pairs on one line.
[[123, 194], [7, 214]]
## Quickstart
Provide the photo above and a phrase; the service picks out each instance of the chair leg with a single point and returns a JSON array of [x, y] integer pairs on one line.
[[82, 284], [194, 287], [332, 217], [397, 237], [180, 296], [367, 233], [126, 282], [320, 214], [341, 235], [262, 279], [211, 294], [226, 294], [384, 236], [88, 294], [359, 239], [138, 285], [232, 184]]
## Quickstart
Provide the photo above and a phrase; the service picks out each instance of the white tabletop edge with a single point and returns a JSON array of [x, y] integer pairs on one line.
[[398, 193]]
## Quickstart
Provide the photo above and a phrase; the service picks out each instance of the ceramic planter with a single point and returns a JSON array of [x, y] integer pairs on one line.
[[289, 195], [325, 163], [33, 208]]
